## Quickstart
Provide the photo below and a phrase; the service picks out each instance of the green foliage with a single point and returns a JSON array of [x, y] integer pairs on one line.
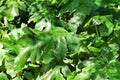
[[59, 39]]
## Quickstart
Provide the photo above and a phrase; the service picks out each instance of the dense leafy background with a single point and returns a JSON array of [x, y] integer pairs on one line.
[[59, 39]]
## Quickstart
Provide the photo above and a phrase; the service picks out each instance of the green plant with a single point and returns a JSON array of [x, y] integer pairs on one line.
[[59, 40]]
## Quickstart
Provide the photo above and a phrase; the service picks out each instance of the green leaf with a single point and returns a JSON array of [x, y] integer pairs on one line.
[[65, 71], [94, 49], [14, 11], [52, 74], [117, 31], [1, 2], [61, 48], [106, 29], [113, 70], [35, 53], [78, 17], [43, 25], [2, 54], [29, 76], [47, 58], [110, 51], [70, 7], [3, 76], [73, 43], [34, 18], [98, 41], [21, 59], [17, 78], [75, 21], [71, 76]]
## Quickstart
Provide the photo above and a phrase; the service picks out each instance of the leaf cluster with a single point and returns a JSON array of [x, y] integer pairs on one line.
[[59, 39]]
